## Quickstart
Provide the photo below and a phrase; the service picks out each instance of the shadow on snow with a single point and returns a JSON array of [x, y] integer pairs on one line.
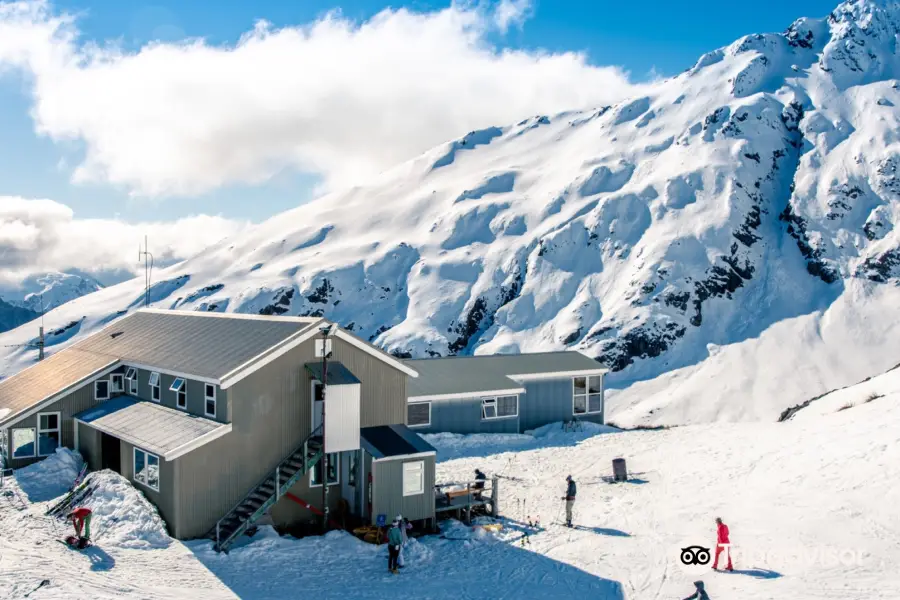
[[340, 566]]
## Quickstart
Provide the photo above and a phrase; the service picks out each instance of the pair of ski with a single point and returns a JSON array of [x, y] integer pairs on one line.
[[74, 497]]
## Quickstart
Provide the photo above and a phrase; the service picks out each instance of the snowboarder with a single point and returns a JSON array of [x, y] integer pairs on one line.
[[722, 544], [395, 540], [81, 519], [699, 593], [570, 499]]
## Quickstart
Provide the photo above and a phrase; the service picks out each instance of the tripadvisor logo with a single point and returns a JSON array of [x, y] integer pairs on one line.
[[692, 558]]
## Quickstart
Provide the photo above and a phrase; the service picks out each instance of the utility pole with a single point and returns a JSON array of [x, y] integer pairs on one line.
[[148, 269], [324, 450], [41, 334], [326, 333]]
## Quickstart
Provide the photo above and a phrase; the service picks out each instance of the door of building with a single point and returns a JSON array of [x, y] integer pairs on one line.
[[110, 453]]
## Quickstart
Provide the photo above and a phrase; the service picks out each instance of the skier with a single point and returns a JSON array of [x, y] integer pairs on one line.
[[81, 518], [699, 593], [570, 499], [722, 544], [395, 540]]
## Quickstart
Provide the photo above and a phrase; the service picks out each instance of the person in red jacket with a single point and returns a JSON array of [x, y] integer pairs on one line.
[[81, 518], [722, 544]]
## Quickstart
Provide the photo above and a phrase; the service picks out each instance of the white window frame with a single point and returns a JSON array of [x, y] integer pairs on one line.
[[428, 424], [494, 401], [334, 458], [117, 383], [39, 431], [12, 439], [587, 395], [155, 388], [97, 389], [142, 479], [207, 398], [419, 472], [131, 376], [180, 392]]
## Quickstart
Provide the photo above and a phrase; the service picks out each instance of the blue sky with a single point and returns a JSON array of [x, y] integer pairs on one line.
[[661, 37]]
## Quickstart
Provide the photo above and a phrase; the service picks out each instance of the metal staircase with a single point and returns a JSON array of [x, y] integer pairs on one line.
[[268, 492]]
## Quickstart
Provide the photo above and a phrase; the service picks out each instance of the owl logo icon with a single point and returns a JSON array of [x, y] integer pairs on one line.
[[695, 555]]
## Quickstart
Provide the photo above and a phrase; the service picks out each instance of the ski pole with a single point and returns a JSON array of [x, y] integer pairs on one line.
[[40, 585]]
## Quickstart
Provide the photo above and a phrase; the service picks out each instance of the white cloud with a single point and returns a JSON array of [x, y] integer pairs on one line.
[[334, 97], [39, 236]]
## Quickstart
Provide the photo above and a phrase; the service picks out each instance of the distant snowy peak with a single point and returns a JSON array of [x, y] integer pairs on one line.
[[47, 291]]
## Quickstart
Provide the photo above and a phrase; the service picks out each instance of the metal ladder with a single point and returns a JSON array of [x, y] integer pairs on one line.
[[267, 492]]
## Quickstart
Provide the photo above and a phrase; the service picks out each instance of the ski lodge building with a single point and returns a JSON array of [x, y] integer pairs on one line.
[[218, 418]]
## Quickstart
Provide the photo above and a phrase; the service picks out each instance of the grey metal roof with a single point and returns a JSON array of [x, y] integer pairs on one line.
[[386, 441], [489, 373], [192, 343], [185, 342], [149, 426], [338, 374]]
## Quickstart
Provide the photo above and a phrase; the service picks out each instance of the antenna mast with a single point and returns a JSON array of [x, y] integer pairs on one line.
[[148, 269]]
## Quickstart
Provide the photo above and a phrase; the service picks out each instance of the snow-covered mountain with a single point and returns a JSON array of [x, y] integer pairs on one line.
[[749, 199], [39, 293]]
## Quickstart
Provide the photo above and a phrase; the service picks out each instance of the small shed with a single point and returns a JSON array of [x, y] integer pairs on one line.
[[401, 473], [342, 398]]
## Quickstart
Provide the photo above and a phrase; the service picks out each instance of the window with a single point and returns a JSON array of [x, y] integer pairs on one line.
[[318, 392], [23, 442], [180, 389], [500, 408], [489, 408], [587, 395], [131, 380], [146, 468], [414, 478], [418, 414], [154, 387], [48, 432], [315, 476], [118, 383], [101, 390], [210, 397]]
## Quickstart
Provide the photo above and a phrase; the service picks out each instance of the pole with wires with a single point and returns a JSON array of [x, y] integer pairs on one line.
[[148, 269]]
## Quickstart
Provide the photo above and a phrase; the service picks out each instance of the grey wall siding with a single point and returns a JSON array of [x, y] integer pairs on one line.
[[383, 390], [69, 405], [546, 401], [287, 512], [269, 412], [89, 446], [196, 398], [387, 491], [464, 416], [165, 498]]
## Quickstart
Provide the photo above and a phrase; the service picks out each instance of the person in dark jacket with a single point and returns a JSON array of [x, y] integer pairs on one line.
[[699, 592], [570, 499], [395, 540], [478, 486]]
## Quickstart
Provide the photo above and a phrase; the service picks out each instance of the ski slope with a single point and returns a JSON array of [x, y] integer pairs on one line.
[[810, 504]]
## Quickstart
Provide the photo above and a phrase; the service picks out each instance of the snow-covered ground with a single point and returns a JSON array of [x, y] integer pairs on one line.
[[810, 503], [133, 557]]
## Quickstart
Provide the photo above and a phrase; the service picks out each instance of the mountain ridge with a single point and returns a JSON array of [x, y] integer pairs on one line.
[[755, 188]]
